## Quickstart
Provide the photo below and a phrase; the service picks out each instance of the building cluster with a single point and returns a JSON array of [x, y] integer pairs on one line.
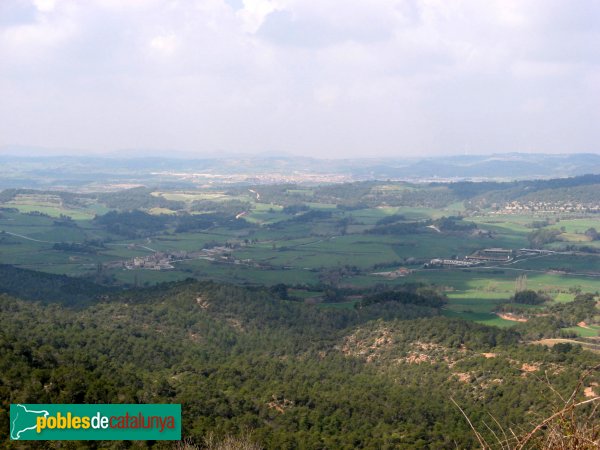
[[491, 254], [165, 260], [477, 258], [261, 178], [516, 206], [439, 262], [155, 261]]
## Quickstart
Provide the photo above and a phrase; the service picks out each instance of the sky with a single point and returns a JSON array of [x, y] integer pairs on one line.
[[322, 78]]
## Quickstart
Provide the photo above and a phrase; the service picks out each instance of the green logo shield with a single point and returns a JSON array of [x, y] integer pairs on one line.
[[63, 422]]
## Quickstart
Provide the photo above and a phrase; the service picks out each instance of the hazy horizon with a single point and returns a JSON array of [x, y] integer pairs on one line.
[[406, 78], [26, 151]]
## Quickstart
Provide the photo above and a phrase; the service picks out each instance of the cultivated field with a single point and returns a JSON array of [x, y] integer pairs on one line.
[[337, 247]]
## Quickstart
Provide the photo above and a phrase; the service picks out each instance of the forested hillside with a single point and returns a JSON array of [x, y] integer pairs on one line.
[[292, 375]]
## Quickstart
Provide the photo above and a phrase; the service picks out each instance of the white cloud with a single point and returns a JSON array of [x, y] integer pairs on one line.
[[164, 43], [45, 5], [300, 75], [541, 69], [254, 13], [534, 105]]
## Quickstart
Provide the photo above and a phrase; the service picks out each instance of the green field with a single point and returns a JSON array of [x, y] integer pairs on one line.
[[477, 305], [276, 247], [592, 331]]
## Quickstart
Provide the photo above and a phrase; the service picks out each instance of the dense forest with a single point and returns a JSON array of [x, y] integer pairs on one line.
[[242, 361], [137, 198], [49, 288], [135, 224]]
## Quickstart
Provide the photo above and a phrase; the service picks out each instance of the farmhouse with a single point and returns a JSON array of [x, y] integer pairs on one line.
[[450, 263], [156, 261], [492, 254]]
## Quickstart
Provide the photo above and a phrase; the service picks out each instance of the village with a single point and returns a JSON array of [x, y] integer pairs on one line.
[[516, 207], [164, 260]]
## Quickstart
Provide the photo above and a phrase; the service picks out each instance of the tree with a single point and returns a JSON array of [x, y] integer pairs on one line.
[[521, 283], [543, 236], [592, 234], [529, 297]]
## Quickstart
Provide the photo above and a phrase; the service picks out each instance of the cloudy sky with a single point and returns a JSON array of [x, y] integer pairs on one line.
[[328, 78]]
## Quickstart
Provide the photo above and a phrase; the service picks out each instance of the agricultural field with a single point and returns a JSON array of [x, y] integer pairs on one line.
[[299, 237]]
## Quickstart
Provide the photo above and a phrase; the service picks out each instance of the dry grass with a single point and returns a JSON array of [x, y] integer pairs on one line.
[[211, 442], [575, 425]]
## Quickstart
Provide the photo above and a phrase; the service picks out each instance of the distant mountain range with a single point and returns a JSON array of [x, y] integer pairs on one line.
[[504, 166]]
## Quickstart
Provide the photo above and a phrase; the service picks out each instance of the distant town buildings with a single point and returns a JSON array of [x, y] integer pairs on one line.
[[261, 178], [516, 207]]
